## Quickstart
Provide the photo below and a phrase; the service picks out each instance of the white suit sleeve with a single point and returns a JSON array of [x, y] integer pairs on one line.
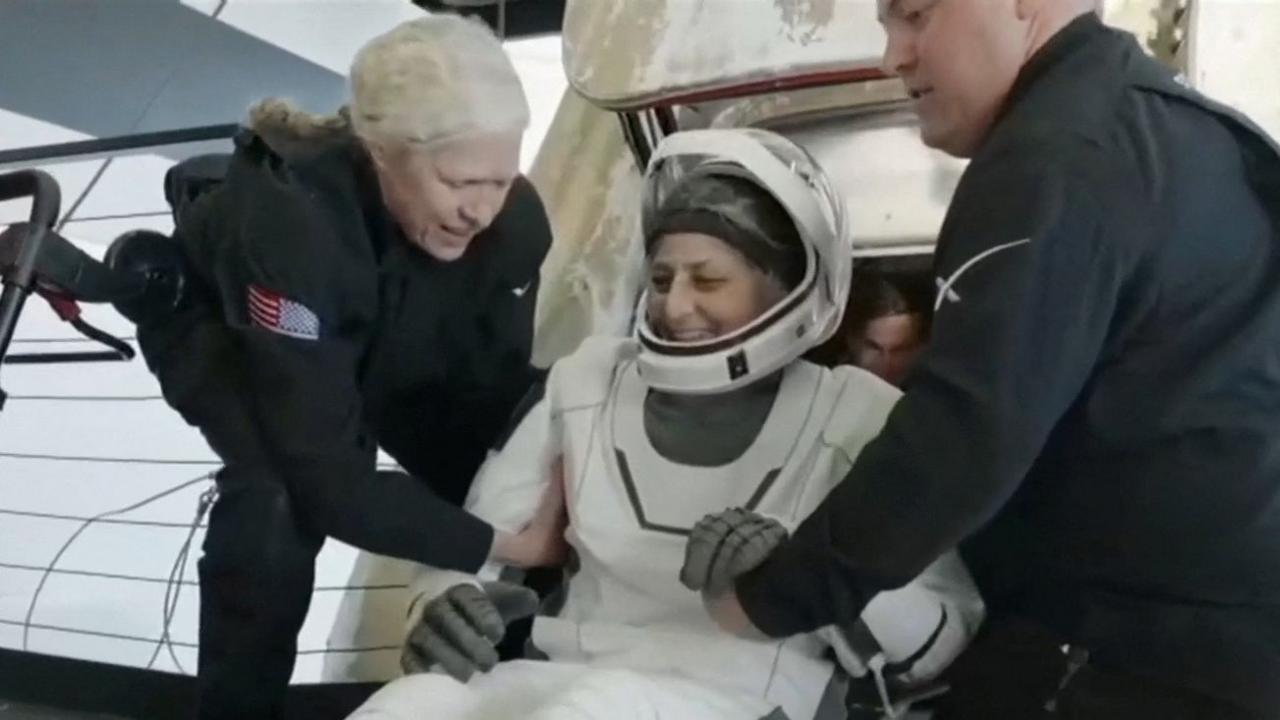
[[505, 493], [916, 630], [924, 625]]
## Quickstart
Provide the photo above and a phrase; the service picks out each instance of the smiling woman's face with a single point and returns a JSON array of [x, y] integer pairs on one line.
[[445, 195], [700, 288]]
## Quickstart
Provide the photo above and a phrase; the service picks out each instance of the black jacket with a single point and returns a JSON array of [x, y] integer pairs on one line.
[[1098, 417], [373, 343]]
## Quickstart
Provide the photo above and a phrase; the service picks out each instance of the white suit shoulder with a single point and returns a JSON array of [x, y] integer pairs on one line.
[[585, 376], [862, 404]]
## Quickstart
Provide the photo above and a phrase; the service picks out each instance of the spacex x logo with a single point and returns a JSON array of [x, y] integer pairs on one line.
[[945, 293], [944, 290]]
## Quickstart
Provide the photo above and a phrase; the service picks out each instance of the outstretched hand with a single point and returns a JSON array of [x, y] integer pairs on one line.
[[541, 543]]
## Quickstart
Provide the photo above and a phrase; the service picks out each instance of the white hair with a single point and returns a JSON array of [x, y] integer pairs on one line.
[[432, 79], [425, 81]]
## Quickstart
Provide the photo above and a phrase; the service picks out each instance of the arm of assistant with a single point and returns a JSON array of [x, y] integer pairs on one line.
[[519, 484], [1029, 287], [300, 307]]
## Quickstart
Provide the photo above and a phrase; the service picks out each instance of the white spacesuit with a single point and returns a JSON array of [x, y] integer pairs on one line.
[[627, 639]]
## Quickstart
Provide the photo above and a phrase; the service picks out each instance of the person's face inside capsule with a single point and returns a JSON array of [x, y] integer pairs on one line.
[[889, 345], [445, 194], [701, 288]]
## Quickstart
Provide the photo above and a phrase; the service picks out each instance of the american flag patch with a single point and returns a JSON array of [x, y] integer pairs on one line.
[[270, 311]]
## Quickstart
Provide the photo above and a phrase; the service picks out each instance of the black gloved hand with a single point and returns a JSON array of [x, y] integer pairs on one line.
[[460, 628], [726, 544]]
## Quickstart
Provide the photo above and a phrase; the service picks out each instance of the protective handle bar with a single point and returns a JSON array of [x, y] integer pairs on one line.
[[46, 202], [40, 187], [65, 268]]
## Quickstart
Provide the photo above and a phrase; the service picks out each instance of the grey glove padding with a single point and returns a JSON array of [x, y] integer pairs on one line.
[[726, 544], [460, 628]]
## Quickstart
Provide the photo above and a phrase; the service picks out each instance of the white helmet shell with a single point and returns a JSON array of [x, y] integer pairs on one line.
[[807, 316]]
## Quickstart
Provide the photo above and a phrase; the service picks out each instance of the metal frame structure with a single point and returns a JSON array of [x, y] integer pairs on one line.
[[510, 19]]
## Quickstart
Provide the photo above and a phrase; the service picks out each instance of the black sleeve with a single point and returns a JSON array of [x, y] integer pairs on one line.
[[300, 298], [1028, 289]]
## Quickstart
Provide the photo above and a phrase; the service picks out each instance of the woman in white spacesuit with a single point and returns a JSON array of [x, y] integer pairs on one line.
[[706, 408]]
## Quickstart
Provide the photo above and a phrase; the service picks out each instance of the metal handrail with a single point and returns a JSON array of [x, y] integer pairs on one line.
[[114, 146], [46, 201]]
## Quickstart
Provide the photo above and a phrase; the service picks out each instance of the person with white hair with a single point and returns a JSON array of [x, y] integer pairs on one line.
[[653, 436], [353, 281]]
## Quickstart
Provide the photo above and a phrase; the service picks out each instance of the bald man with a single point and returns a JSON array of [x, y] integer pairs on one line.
[[1097, 419]]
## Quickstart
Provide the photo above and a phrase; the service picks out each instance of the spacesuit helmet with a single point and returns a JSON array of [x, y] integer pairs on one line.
[[676, 181]]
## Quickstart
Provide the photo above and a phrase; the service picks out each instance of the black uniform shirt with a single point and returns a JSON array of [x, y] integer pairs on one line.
[[1099, 411], [351, 338]]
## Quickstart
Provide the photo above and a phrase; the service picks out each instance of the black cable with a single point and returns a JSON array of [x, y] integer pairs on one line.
[[173, 587], [188, 583], [75, 518], [173, 584], [179, 643], [63, 358], [44, 578], [84, 194], [122, 216], [93, 574], [360, 588], [81, 631], [85, 458], [33, 341], [88, 398], [84, 328], [132, 461], [336, 651]]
